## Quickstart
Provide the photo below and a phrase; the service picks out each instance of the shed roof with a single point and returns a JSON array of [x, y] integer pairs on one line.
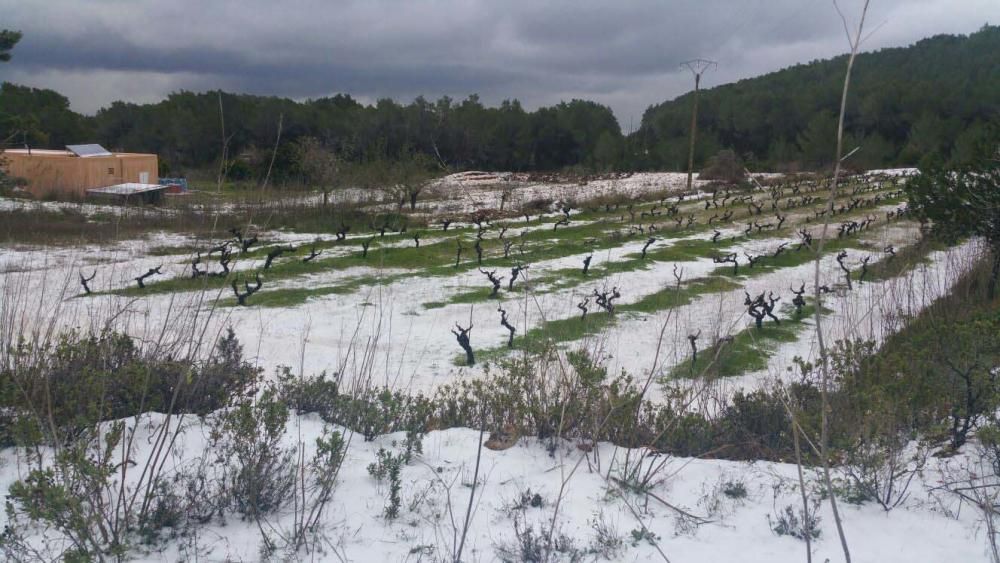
[[128, 188], [50, 153]]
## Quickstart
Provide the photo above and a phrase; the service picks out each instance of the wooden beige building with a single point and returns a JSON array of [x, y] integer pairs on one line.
[[70, 173]]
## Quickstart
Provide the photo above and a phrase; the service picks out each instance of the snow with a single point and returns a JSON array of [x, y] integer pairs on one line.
[[355, 529], [385, 335]]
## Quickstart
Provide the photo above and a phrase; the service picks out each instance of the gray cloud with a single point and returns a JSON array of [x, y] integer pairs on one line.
[[623, 54]]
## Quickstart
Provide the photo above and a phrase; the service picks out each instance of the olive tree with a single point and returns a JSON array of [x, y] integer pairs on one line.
[[317, 165]]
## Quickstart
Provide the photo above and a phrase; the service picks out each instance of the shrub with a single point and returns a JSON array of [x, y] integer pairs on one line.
[[755, 425], [881, 470], [389, 466], [725, 166], [608, 543], [526, 499], [735, 490], [533, 545], [259, 471], [539, 396], [640, 535], [70, 498], [116, 380], [796, 524]]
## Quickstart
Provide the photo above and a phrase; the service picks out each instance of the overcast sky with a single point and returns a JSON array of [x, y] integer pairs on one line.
[[620, 53]]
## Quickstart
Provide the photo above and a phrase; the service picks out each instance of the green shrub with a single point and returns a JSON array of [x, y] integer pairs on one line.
[[259, 471], [60, 390]]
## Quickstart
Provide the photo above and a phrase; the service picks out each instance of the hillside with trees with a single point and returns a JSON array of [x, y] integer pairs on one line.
[[933, 98]]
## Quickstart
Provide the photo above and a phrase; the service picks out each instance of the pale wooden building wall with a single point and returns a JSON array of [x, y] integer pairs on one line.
[[62, 174]]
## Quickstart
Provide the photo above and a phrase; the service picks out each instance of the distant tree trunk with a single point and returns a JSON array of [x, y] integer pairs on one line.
[[994, 272], [413, 199]]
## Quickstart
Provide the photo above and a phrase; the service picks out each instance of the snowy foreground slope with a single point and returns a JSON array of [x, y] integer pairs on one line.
[[928, 527]]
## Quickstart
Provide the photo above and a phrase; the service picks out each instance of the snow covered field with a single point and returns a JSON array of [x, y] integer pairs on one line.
[[392, 324]]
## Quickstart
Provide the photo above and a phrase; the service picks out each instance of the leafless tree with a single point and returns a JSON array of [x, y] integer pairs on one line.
[[855, 42], [462, 335], [727, 259], [85, 281], [649, 242], [241, 298], [313, 253], [496, 281], [274, 152], [806, 240], [225, 258], [221, 247], [799, 301], [506, 324], [864, 269], [195, 271], [317, 164], [514, 273], [779, 250], [275, 253], [244, 242], [693, 339], [141, 280], [761, 307], [847, 271], [606, 299], [224, 158]]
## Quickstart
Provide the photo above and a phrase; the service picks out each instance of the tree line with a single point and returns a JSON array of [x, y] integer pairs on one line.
[[933, 98]]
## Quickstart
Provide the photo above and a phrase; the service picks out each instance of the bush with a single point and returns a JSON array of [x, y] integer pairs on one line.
[[259, 471], [608, 543], [735, 490], [539, 545], [725, 166], [116, 380], [540, 397], [389, 466], [72, 502], [796, 524], [880, 469]]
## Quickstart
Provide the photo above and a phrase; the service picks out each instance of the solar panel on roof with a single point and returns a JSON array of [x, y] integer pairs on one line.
[[83, 151]]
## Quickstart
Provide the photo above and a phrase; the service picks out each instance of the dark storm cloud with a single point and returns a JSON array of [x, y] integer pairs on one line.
[[623, 54]]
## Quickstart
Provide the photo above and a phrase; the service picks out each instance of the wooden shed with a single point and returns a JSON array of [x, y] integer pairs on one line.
[[70, 173]]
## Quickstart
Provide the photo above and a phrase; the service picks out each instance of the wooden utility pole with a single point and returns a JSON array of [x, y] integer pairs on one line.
[[697, 68]]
